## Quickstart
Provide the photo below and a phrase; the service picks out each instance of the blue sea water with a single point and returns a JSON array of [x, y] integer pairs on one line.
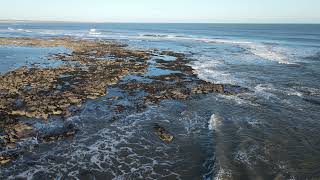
[[270, 132]]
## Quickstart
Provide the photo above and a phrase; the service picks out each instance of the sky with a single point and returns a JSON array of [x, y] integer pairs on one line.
[[202, 11]]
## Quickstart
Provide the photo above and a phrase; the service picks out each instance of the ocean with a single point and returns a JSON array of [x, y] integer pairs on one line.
[[270, 131]]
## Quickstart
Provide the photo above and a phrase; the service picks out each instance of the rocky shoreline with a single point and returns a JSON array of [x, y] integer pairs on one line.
[[94, 66]]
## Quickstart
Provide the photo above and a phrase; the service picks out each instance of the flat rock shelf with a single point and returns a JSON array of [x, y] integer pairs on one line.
[[33, 94]]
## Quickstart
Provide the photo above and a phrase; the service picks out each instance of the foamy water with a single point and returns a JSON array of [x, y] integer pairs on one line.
[[268, 131]]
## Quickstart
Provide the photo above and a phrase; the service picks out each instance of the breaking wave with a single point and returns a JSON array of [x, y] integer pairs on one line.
[[94, 32], [268, 52], [214, 122], [262, 50], [20, 30], [208, 71]]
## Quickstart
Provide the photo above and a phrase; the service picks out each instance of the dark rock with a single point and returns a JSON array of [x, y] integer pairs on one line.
[[163, 134], [208, 88]]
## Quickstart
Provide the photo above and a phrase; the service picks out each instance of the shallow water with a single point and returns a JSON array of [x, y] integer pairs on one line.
[[13, 57], [270, 131]]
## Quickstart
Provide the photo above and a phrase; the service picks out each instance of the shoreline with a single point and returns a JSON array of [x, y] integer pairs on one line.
[[44, 94]]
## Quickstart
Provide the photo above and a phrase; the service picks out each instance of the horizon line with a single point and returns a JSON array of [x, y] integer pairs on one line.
[[148, 22]]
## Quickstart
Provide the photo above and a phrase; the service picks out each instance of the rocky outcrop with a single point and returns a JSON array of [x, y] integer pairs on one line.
[[45, 93], [163, 134], [41, 93]]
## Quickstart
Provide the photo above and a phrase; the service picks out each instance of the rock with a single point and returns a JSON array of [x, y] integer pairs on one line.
[[178, 77], [11, 145], [42, 91], [68, 130], [74, 100], [208, 88], [163, 134], [18, 113], [179, 93], [115, 98], [4, 160], [57, 112], [17, 132], [119, 108]]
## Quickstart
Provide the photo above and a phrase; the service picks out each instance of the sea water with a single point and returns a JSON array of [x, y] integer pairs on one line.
[[271, 131]]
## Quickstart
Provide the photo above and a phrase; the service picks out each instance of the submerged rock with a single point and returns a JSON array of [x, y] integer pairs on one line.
[[163, 134]]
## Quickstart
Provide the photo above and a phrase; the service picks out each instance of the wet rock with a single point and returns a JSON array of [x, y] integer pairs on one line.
[[178, 65], [51, 91], [234, 89], [119, 108], [177, 77], [16, 132], [40, 93], [163, 134], [179, 93], [206, 88], [66, 131], [5, 159], [115, 98]]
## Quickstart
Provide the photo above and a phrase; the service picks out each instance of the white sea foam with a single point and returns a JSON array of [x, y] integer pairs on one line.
[[265, 91], [94, 32], [295, 93], [117, 145], [21, 30], [189, 38], [214, 122], [223, 174], [208, 70], [244, 99], [262, 50], [268, 52], [221, 41]]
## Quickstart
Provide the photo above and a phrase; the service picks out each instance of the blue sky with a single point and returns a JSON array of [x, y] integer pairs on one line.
[[220, 11]]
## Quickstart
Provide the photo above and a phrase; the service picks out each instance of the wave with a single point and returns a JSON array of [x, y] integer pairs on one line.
[[262, 50], [155, 35], [214, 122], [268, 52], [265, 90], [21, 30], [94, 32], [208, 70]]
